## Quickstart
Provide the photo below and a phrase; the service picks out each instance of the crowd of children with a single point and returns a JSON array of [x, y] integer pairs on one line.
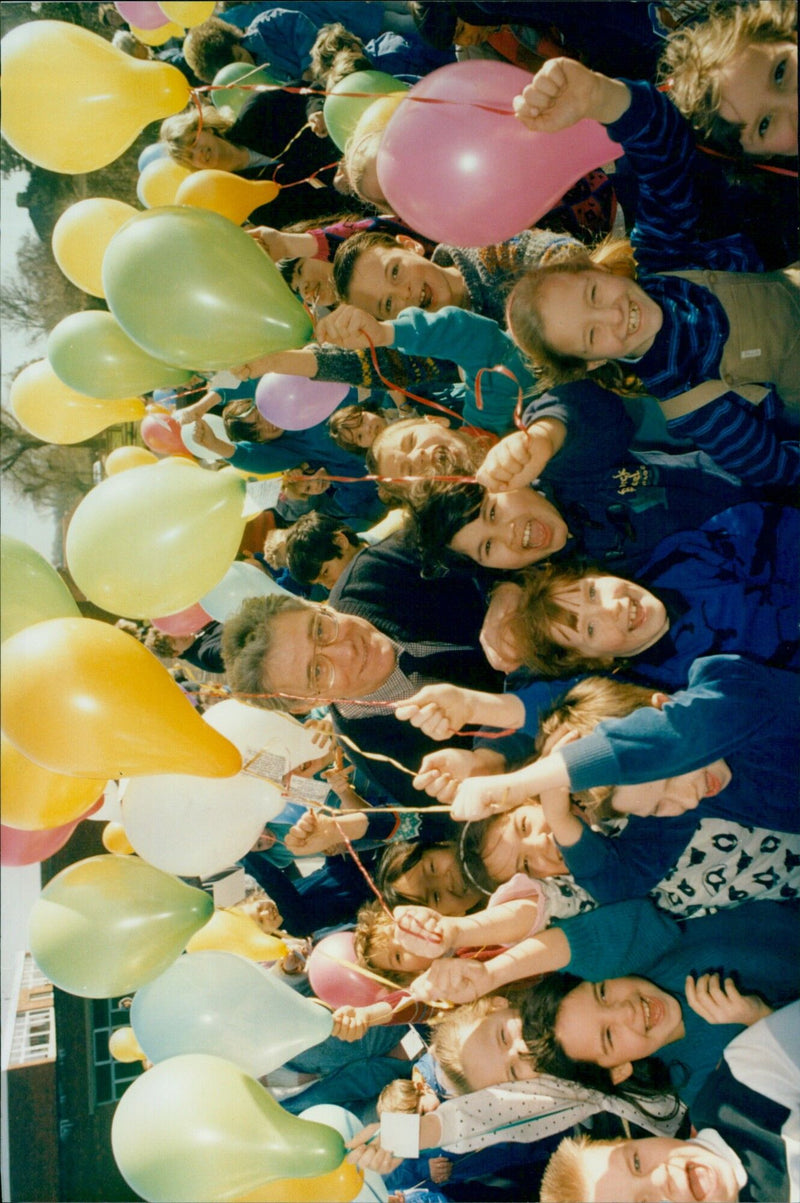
[[564, 684]]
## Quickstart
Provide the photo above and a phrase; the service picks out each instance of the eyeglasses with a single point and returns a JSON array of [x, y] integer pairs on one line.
[[324, 632]]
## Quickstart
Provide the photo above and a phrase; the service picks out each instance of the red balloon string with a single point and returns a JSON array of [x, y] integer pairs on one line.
[[487, 108], [504, 371]]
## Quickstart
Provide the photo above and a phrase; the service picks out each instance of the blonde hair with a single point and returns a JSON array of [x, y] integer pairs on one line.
[[693, 58], [401, 1095], [564, 1179], [525, 319], [363, 145], [179, 133], [374, 933], [590, 702], [275, 548], [337, 53]]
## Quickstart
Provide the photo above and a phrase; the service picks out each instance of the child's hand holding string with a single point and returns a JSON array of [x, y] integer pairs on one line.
[[353, 329], [453, 980], [352, 1023], [481, 797], [563, 92], [521, 457], [421, 931], [438, 710]]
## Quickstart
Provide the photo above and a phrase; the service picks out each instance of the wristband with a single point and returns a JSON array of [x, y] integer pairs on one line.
[[400, 1133]]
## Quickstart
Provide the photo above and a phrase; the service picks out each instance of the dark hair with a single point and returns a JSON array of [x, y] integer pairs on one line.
[[348, 418], [438, 512], [347, 255], [209, 47], [397, 859], [247, 639], [540, 1008], [236, 428], [287, 267], [470, 854], [311, 542], [436, 22]]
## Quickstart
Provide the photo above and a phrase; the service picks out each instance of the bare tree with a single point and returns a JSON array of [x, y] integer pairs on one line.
[[51, 477]]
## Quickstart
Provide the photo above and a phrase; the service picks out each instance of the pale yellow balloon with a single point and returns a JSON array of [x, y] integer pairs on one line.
[[81, 235], [56, 413], [72, 102], [159, 182], [123, 1046], [115, 840], [121, 459], [226, 193], [231, 931], [187, 13], [157, 37]]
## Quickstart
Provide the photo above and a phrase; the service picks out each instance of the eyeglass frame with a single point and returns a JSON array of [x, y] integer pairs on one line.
[[317, 644]]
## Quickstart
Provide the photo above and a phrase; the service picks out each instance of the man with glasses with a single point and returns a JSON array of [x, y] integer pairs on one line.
[[386, 633]]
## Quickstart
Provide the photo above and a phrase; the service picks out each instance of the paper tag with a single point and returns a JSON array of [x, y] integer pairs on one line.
[[412, 1043], [400, 1134], [751, 353]]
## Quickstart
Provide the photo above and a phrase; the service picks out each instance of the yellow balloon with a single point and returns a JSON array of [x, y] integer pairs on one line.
[[72, 102], [225, 193], [231, 931], [157, 37], [123, 1046], [34, 798], [84, 698], [115, 840], [160, 181], [49, 409], [339, 1186], [81, 235], [187, 13], [121, 459]]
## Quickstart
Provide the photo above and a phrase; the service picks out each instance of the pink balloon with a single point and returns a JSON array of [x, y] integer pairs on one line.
[[162, 434], [141, 14], [19, 847], [295, 403], [185, 622], [470, 177], [335, 984]]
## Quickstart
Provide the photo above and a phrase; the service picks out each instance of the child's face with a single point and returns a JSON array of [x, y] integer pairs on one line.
[[260, 429], [394, 958], [494, 1051], [617, 1022], [614, 617], [313, 279], [436, 881], [521, 842], [212, 153], [658, 1167], [369, 427], [512, 530], [428, 1101], [674, 795], [595, 316], [388, 279], [418, 448], [758, 90], [312, 486]]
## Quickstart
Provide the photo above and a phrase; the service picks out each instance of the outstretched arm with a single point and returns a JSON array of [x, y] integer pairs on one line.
[[521, 457], [442, 710], [564, 92]]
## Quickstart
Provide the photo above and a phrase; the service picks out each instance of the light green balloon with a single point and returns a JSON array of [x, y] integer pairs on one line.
[[189, 286], [342, 112], [30, 589], [92, 354], [107, 925], [196, 1127], [235, 98], [154, 541]]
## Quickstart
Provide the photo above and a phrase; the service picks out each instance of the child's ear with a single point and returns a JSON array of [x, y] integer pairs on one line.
[[341, 540], [499, 1001], [621, 1073], [658, 700], [410, 244]]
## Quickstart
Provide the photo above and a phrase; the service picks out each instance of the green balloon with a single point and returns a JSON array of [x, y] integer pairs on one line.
[[342, 112], [107, 925], [190, 286], [92, 354], [234, 98], [156, 540], [31, 590], [196, 1127]]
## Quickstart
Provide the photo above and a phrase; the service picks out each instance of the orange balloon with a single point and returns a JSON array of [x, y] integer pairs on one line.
[[123, 458], [226, 193], [115, 840], [83, 697], [33, 798], [232, 931], [339, 1186]]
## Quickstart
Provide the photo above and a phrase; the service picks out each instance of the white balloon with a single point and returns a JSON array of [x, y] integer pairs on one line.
[[239, 582], [254, 730], [191, 444]]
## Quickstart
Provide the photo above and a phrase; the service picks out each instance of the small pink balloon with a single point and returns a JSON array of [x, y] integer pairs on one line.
[[19, 847], [185, 622], [337, 984], [504, 176], [162, 434], [295, 403], [142, 14]]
